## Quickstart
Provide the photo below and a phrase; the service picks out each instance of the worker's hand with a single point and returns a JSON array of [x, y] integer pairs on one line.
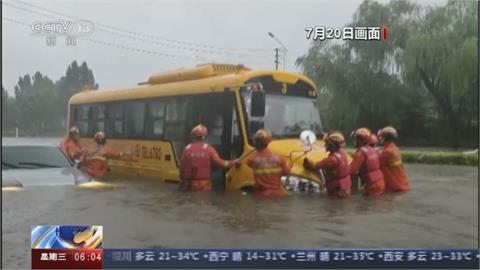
[[308, 164], [237, 163]]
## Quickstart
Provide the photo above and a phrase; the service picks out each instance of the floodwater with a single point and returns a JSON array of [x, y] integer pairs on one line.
[[441, 211]]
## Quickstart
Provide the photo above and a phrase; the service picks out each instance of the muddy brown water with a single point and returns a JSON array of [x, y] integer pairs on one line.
[[441, 211]]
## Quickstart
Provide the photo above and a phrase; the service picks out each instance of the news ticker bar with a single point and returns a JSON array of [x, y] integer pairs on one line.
[[254, 258]]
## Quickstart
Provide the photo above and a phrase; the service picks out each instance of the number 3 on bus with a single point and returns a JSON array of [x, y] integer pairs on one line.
[[153, 120]]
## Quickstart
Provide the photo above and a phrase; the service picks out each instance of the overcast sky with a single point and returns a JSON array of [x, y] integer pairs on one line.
[[190, 32]]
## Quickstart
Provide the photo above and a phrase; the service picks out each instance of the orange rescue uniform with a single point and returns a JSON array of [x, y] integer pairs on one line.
[[373, 179], [95, 162], [268, 169], [337, 171], [199, 156], [393, 170], [71, 148]]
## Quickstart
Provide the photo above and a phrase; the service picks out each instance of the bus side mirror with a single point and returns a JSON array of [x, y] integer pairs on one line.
[[257, 106]]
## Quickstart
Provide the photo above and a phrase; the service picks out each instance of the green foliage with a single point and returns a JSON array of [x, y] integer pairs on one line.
[[35, 100], [422, 80], [76, 78], [9, 112], [442, 54], [40, 105], [438, 158]]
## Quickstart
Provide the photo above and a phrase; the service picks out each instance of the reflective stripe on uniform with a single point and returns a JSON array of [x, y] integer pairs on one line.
[[397, 163], [267, 171], [98, 158]]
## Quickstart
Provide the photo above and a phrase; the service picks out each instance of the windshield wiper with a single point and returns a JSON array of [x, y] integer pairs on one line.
[[9, 165], [38, 164]]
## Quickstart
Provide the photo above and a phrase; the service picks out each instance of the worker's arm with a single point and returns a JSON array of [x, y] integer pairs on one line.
[[71, 151], [77, 152], [326, 163], [114, 154], [357, 162], [87, 153], [250, 161], [216, 159], [285, 166]]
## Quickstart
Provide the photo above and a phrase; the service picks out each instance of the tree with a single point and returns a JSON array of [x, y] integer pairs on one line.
[[36, 99], [74, 81], [358, 82], [423, 79], [9, 112], [443, 55], [40, 105]]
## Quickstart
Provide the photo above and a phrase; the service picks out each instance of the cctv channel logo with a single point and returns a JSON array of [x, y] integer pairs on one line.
[[69, 29]]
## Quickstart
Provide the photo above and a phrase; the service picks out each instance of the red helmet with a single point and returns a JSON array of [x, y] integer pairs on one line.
[[334, 137], [199, 131], [100, 137], [363, 134], [263, 137], [390, 131], [74, 130]]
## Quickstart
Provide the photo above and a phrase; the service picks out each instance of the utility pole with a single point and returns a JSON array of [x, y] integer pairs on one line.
[[276, 58], [284, 49]]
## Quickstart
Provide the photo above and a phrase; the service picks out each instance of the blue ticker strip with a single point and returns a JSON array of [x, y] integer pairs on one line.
[[291, 259]]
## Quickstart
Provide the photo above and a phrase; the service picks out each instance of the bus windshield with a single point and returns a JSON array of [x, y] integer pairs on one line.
[[287, 116]]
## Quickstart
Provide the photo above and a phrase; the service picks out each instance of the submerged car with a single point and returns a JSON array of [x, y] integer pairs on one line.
[[26, 165]]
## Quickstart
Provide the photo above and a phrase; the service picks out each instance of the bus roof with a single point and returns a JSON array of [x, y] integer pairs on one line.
[[197, 80]]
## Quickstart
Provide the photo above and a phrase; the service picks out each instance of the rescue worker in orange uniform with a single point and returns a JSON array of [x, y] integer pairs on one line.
[[391, 162], [70, 145], [336, 166], [95, 161], [366, 164], [197, 159], [268, 168]]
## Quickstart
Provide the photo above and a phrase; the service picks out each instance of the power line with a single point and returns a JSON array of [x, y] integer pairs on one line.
[[130, 48], [148, 36], [192, 49], [114, 45]]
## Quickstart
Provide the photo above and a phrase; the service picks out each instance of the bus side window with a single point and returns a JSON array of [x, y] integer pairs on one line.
[[135, 119], [155, 119], [115, 120], [74, 115], [175, 119], [82, 121], [92, 123], [100, 118], [176, 129]]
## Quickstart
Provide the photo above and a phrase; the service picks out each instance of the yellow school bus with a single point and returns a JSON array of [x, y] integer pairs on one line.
[[153, 120]]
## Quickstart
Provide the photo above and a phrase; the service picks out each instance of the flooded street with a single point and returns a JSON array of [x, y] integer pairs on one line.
[[441, 211]]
